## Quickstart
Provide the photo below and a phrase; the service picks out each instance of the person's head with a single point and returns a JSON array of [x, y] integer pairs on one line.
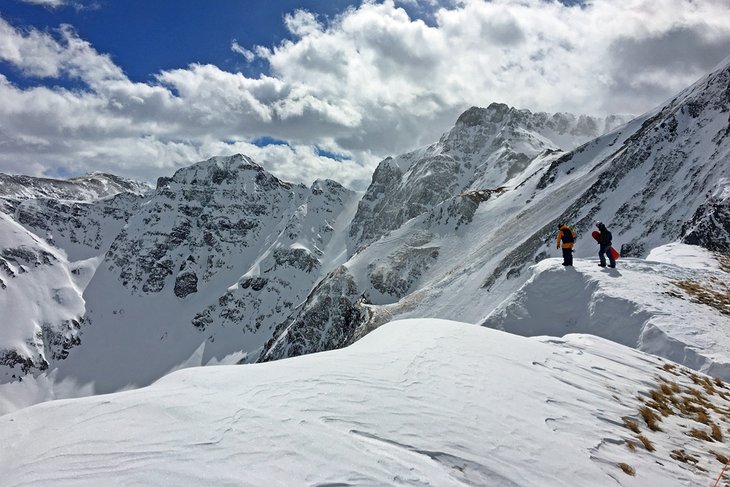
[[600, 225]]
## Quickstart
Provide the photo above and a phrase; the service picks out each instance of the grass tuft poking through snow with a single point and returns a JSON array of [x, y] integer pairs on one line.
[[650, 418], [646, 442], [699, 434], [683, 456], [632, 425], [628, 469], [712, 293], [716, 432], [724, 261], [691, 403], [720, 457]]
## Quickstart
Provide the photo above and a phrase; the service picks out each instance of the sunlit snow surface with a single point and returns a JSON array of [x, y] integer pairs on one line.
[[416, 402], [638, 304]]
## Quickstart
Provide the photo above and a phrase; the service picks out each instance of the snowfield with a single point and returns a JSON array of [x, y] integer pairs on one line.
[[644, 304], [416, 402]]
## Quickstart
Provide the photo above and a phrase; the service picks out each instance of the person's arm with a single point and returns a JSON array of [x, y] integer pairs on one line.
[[560, 235]]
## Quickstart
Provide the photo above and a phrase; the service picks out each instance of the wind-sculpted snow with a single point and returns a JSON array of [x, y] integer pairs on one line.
[[416, 402]]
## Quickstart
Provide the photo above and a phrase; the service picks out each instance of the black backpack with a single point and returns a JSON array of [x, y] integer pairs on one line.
[[568, 236]]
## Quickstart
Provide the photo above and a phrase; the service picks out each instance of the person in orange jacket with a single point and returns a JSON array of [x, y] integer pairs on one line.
[[567, 236]]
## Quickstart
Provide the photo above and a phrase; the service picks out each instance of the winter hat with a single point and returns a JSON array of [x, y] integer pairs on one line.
[[599, 223]]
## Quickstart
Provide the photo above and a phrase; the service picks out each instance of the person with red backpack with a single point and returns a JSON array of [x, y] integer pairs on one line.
[[567, 237], [604, 246]]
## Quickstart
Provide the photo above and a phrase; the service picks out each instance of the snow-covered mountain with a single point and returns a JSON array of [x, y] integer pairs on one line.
[[52, 235], [218, 255], [486, 149], [83, 188], [113, 285], [419, 251]]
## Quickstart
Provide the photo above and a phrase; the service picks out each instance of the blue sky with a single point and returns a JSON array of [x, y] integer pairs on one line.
[[319, 88], [145, 37]]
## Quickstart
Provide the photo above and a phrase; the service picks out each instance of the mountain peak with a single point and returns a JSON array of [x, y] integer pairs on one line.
[[223, 171], [474, 116]]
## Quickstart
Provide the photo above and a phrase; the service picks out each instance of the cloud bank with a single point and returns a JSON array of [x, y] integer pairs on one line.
[[369, 83]]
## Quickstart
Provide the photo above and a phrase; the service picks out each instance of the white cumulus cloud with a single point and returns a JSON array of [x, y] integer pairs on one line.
[[368, 83]]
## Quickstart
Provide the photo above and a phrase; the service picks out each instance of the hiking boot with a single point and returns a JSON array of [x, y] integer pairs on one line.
[[612, 266], [601, 265]]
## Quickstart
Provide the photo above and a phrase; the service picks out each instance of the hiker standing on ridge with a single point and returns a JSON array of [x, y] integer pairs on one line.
[[567, 236], [604, 249]]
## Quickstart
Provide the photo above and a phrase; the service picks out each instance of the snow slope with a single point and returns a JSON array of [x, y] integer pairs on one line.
[[40, 301], [53, 234], [416, 402], [641, 304]]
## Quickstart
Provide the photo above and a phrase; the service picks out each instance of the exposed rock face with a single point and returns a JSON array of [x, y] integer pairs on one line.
[[326, 321], [710, 226], [396, 274], [41, 306], [186, 283], [83, 229], [198, 218], [219, 255]]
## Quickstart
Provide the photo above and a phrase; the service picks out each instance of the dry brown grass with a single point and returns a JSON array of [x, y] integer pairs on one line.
[[669, 388], [716, 432], [661, 406], [699, 434], [684, 457], [646, 442], [724, 261], [699, 293], [720, 457], [651, 418], [708, 386], [671, 368], [632, 425], [628, 469], [698, 397], [630, 445], [719, 382], [701, 416]]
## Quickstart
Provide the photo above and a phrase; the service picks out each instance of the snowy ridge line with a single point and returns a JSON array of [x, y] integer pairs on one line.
[[639, 304]]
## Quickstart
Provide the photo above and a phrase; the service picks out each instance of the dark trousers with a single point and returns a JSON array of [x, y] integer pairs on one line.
[[567, 256], [604, 251]]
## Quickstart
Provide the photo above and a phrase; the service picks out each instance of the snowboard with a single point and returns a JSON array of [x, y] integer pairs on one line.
[[613, 251]]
